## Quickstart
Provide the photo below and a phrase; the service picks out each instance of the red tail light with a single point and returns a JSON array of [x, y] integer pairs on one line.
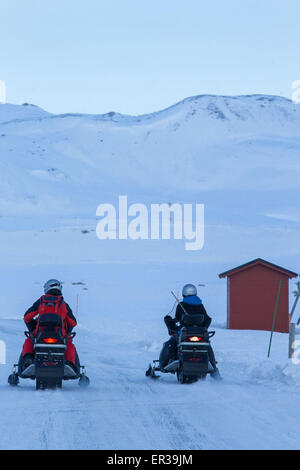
[[50, 340], [195, 339]]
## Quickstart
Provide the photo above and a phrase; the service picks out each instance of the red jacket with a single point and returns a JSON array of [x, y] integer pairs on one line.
[[50, 303]]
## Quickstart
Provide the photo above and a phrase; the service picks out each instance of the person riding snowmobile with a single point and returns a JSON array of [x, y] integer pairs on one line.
[[53, 301], [191, 305]]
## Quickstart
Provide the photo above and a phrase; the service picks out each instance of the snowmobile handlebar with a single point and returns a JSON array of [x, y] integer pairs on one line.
[[30, 335]]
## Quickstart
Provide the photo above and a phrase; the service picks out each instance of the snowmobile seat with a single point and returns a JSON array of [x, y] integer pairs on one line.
[[193, 320], [50, 321]]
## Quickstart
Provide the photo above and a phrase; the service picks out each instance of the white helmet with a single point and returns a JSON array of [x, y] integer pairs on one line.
[[189, 289], [52, 284]]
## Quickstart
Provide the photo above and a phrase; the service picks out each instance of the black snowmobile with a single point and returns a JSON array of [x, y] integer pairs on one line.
[[192, 362], [49, 367]]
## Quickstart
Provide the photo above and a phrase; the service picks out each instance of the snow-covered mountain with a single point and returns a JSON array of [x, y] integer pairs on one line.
[[237, 155], [62, 162]]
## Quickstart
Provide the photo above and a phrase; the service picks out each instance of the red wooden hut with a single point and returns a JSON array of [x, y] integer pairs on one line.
[[251, 296]]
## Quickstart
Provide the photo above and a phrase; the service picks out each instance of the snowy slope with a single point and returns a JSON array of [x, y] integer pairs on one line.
[[202, 143], [238, 155]]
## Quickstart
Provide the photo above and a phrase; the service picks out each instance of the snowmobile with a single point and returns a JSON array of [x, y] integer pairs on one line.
[[49, 367], [192, 361]]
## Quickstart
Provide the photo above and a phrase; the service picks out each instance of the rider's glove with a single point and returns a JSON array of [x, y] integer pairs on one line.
[[31, 325], [169, 321]]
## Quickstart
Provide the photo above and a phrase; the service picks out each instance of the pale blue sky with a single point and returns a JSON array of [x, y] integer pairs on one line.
[[138, 56]]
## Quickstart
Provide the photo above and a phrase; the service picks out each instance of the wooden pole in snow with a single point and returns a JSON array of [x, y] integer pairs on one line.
[[292, 326], [274, 318], [297, 295], [291, 340]]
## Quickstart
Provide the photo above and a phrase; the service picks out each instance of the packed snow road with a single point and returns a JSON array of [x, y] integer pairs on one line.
[[253, 407], [122, 296]]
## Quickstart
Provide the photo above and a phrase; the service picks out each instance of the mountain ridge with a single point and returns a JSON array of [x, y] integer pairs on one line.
[[203, 143], [112, 115]]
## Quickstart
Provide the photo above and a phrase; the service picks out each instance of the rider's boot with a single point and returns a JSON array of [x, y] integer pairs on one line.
[[27, 361]]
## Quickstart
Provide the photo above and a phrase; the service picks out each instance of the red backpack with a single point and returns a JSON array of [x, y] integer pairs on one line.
[[52, 304]]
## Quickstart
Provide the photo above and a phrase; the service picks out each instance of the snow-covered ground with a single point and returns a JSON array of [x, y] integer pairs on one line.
[[240, 156]]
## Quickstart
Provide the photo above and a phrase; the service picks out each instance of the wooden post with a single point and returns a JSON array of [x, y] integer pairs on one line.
[[297, 295], [291, 340], [274, 318]]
